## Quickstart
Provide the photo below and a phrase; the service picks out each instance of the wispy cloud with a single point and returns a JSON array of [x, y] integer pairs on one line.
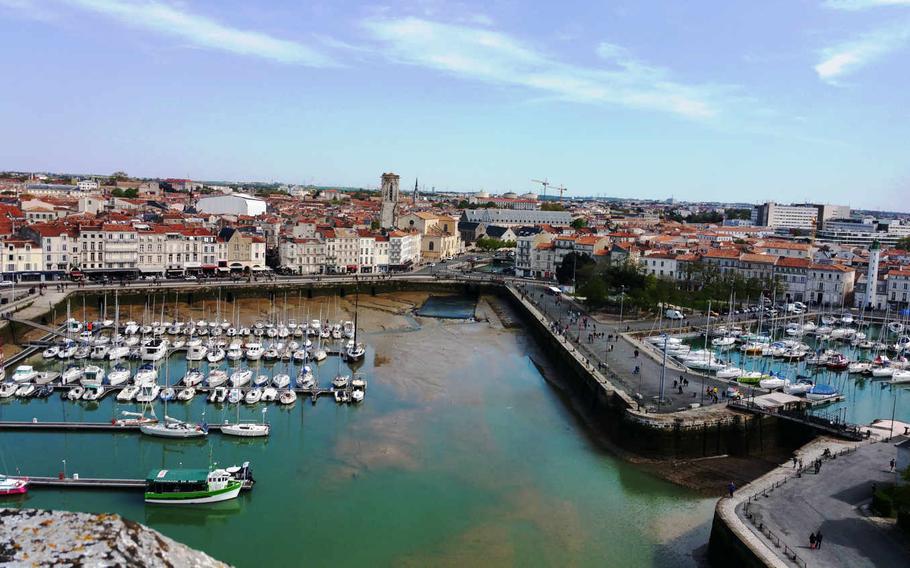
[[498, 58], [856, 5], [197, 30], [847, 57]]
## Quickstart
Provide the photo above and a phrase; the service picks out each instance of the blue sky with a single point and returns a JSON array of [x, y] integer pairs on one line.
[[721, 100]]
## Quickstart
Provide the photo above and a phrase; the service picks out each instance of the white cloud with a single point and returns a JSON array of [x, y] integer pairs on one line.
[[852, 55], [498, 58], [854, 5], [172, 20]]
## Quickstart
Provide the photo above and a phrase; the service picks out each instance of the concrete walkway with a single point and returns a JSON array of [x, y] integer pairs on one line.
[[833, 501], [622, 360]]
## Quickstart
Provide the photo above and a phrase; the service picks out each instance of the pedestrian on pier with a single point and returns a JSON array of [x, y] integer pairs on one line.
[[818, 540], [635, 353], [731, 488], [794, 462], [812, 541], [892, 464]]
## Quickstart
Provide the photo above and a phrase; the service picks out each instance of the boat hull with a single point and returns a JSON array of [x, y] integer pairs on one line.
[[196, 497]]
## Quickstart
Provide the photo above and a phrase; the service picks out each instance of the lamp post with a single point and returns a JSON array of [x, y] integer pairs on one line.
[[64, 469], [622, 297]]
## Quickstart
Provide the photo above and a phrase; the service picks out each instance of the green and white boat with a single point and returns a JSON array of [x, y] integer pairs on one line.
[[190, 486]]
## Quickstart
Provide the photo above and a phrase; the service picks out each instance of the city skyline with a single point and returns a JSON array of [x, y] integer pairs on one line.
[[784, 101]]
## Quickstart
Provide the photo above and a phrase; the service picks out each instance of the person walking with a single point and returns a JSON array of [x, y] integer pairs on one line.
[[892, 464], [731, 488], [818, 539], [812, 541]]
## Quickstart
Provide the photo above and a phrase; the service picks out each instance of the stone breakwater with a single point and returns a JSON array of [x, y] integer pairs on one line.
[[34, 537]]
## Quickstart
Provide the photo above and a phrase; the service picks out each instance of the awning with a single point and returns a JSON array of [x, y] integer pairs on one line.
[[259, 268], [209, 266], [223, 269]]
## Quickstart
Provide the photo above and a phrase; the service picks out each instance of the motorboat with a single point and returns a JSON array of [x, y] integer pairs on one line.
[[92, 376], [186, 394], [153, 350], [254, 351], [51, 352], [192, 378], [357, 396], [217, 395], [299, 356], [846, 319], [241, 378], [358, 383], [896, 327], [24, 374], [342, 396], [319, 355], [44, 391], [94, 392], [118, 352], [100, 351], [347, 329], [148, 393], [261, 380], [234, 396], [838, 363], [235, 352], [271, 354], [340, 381], [13, 485], [281, 381], [76, 392], [118, 376], [26, 390], [751, 377], [71, 375], [723, 341], [168, 394], [8, 389], [196, 350], [798, 388], [859, 367], [146, 375], [131, 328], [252, 396], [82, 352], [822, 392], [215, 355], [216, 378], [883, 372], [128, 393], [901, 376], [269, 394], [287, 396]]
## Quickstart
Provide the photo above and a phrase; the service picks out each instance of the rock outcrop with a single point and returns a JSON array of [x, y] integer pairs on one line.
[[35, 537]]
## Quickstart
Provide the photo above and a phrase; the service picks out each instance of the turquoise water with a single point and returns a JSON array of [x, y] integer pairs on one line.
[[462, 454], [865, 398], [452, 307]]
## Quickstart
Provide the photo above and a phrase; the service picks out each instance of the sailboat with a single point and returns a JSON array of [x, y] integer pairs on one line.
[[171, 427], [246, 429], [355, 351]]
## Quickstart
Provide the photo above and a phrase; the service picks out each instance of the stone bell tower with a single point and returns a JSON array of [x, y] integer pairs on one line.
[[388, 216]]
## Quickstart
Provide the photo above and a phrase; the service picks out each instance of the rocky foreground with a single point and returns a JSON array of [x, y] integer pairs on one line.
[[34, 537]]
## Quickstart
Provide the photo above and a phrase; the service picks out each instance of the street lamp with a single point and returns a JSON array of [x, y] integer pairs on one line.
[[622, 297]]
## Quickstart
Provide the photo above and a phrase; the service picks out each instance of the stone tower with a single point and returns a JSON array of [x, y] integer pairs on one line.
[[388, 216], [872, 274]]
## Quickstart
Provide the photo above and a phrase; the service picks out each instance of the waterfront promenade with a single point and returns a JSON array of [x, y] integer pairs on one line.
[[618, 355], [774, 515]]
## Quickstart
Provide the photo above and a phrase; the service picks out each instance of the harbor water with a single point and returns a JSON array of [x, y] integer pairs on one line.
[[865, 398], [462, 454]]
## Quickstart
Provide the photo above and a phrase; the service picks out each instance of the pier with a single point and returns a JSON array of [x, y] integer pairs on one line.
[[77, 482]]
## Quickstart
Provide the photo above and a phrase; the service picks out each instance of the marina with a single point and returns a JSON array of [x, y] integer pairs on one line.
[[439, 389]]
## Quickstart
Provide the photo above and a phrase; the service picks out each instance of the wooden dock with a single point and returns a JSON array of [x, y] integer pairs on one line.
[[49, 426], [97, 483]]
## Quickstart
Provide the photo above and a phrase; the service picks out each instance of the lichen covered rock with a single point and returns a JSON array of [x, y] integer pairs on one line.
[[35, 537]]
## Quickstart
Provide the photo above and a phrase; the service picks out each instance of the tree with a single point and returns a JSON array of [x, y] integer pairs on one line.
[[374, 225], [579, 223], [903, 244], [129, 193], [119, 176], [574, 268]]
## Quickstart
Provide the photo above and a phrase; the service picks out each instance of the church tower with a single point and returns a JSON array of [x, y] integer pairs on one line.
[[388, 216], [875, 253]]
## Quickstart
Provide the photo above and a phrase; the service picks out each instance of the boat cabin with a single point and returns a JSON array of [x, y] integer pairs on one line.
[[176, 480]]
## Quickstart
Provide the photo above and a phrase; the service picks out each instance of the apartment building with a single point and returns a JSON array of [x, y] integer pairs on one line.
[[302, 255]]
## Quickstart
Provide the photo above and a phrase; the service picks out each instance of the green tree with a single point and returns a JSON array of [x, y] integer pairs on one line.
[[579, 223], [119, 176], [904, 243]]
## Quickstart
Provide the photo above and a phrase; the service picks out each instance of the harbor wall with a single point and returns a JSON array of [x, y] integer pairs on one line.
[[728, 548], [677, 435]]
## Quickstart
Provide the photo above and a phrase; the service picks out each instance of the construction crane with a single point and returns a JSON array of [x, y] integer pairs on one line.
[[561, 189], [544, 182]]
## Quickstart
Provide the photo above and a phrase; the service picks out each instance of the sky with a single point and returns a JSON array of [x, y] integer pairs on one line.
[[722, 100]]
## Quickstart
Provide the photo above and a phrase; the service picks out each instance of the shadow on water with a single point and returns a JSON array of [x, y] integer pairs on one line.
[[448, 307]]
